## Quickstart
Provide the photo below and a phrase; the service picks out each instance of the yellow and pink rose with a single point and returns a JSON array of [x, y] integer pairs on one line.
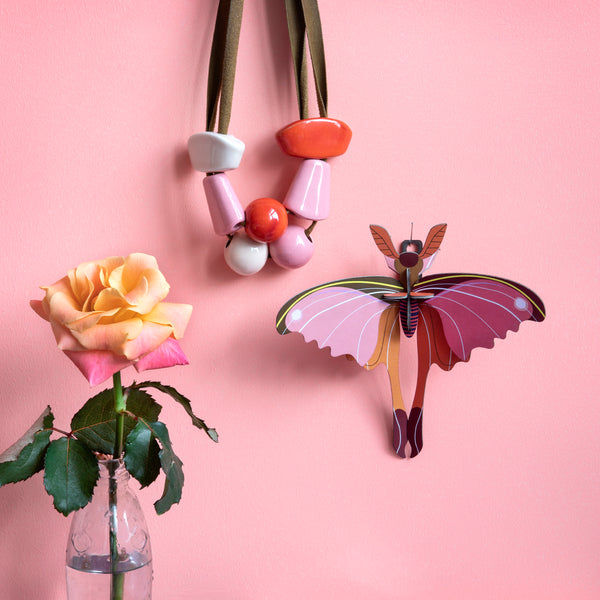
[[109, 314]]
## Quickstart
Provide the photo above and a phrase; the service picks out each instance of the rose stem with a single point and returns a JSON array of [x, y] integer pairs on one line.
[[120, 413], [116, 579]]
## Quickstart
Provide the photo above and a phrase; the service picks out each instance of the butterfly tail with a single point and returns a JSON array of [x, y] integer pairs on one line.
[[399, 433], [415, 430]]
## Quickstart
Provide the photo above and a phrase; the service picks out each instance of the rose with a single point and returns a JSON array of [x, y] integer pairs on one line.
[[108, 314]]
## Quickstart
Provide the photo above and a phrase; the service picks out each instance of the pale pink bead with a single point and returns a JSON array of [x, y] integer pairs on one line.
[[308, 196], [225, 209], [293, 249]]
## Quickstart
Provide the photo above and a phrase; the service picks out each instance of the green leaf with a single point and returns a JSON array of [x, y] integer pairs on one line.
[[170, 464], [26, 456], [95, 423], [71, 474], [142, 455], [181, 399]]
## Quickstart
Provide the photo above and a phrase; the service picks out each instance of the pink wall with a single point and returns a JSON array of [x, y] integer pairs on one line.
[[480, 114]]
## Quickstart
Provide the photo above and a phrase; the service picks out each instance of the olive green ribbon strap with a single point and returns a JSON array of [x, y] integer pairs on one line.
[[297, 33], [304, 22], [223, 58]]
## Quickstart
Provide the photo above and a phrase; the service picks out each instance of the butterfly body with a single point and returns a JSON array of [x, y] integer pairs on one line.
[[451, 314]]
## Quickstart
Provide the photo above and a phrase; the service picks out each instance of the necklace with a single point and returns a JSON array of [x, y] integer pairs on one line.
[[263, 230]]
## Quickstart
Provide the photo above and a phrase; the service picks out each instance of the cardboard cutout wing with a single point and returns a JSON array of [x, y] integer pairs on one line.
[[343, 315]]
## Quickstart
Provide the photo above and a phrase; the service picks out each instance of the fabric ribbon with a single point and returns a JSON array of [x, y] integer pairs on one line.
[[304, 22]]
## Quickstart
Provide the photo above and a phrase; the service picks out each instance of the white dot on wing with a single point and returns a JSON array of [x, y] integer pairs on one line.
[[520, 303]]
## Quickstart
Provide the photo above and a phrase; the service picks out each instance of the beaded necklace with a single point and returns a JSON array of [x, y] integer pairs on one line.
[[262, 230]]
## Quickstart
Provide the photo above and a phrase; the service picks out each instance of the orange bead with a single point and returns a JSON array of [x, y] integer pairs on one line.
[[266, 219], [315, 138]]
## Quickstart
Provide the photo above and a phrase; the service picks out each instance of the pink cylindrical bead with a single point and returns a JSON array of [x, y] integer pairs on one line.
[[225, 209], [308, 196]]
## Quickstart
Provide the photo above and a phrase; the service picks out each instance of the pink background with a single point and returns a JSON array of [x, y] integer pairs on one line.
[[480, 114]]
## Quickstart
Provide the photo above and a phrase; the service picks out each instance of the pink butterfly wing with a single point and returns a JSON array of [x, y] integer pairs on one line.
[[343, 315], [474, 310]]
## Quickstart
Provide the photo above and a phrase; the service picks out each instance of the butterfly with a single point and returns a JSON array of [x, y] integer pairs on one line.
[[450, 313]]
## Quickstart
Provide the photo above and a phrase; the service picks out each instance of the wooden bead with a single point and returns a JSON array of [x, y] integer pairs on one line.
[[308, 194], [225, 209], [212, 152], [315, 138]]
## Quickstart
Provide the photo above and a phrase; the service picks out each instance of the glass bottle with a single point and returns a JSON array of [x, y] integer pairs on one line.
[[111, 525]]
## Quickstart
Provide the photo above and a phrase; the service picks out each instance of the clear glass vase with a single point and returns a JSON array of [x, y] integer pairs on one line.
[[108, 551]]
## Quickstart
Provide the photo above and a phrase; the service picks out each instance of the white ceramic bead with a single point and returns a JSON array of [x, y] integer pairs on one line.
[[244, 255], [212, 152]]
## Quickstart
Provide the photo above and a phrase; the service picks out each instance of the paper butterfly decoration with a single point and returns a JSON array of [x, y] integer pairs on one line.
[[451, 313]]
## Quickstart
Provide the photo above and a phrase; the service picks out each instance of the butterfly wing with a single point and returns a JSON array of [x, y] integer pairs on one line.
[[384, 241], [432, 345], [434, 240], [476, 309], [344, 315], [385, 245]]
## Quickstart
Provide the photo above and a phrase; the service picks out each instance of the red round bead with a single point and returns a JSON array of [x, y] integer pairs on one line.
[[266, 219]]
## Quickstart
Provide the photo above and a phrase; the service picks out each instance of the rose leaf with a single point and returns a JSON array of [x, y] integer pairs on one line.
[[26, 456], [142, 455], [95, 423], [171, 466], [71, 474], [187, 405]]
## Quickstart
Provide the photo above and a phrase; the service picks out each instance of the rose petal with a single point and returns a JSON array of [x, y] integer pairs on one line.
[[62, 286], [151, 288], [115, 280], [108, 265], [84, 280], [112, 336], [151, 337], [97, 365], [168, 354], [137, 294], [79, 284], [89, 278], [133, 267], [64, 338], [90, 319], [140, 282], [170, 313], [109, 299], [39, 308], [63, 307]]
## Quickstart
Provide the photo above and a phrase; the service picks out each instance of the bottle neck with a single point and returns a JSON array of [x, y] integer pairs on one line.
[[113, 469]]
